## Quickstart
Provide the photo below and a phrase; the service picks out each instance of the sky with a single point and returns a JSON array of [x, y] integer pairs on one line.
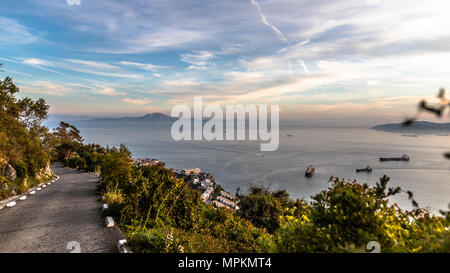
[[353, 60]]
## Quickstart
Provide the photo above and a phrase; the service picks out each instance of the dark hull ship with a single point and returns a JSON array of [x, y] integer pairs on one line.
[[309, 171], [402, 158], [367, 169]]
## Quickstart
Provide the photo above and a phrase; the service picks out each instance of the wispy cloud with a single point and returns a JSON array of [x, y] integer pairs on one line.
[[45, 87], [92, 64], [83, 66], [149, 67], [156, 41], [73, 2], [294, 53], [136, 101], [12, 32], [108, 91], [36, 61], [266, 22], [200, 58]]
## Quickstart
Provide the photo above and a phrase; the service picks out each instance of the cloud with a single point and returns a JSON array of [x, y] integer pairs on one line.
[[109, 91], [73, 2], [245, 77], [353, 50], [181, 82], [98, 68], [36, 61], [373, 2], [45, 87], [11, 32], [265, 22], [153, 41], [83, 66], [136, 101], [149, 67], [302, 63], [92, 64], [199, 58], [201, 68]]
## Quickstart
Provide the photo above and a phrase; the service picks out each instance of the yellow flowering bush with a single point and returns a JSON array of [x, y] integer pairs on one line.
[[348, 215]]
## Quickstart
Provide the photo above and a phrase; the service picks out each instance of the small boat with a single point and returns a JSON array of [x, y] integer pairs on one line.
[[260, 155], [288, 135], [367, 169], [310, 171], [404, 157]]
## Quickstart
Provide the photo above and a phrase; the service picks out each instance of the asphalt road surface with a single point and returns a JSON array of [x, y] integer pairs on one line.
[[63, 217]]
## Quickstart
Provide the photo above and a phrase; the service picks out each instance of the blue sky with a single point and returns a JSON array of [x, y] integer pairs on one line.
[[350, 59]]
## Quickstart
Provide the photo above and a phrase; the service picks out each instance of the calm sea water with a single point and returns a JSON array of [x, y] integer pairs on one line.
[[334, 152]]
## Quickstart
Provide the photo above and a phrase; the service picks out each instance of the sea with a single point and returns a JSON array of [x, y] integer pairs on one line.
[[334, 152]]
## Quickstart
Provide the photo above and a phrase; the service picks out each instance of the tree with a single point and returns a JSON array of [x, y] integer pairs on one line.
[[24, 142], [116, 167], [25, 110], [69, 138], [261, 208], [68, 133]]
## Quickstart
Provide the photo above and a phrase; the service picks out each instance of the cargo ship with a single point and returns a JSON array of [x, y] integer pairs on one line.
[[367, 169], [309, 171], [404, 157]]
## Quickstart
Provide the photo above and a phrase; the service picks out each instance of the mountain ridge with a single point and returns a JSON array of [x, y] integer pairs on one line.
[[418, 126], [148, 117]]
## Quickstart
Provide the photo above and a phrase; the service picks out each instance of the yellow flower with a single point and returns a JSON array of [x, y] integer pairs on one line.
[[305, 218]]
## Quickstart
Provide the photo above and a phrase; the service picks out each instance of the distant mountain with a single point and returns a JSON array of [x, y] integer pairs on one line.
[[149, 120], [418, 126], [148, 117], [53, 120]]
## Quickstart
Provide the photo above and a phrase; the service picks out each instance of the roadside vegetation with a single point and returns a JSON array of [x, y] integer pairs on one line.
[[25, 145], [160, 213]]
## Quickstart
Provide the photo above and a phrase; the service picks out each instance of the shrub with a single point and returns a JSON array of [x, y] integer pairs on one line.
[[152, 241], [115, 200], [261, 208], [346, 216], [72, 162], [21, 169]]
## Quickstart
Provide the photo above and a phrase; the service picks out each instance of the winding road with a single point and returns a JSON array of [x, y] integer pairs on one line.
[[65, 216]]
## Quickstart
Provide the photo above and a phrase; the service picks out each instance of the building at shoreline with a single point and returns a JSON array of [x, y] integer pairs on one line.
[[206, 185], [226, 202], [228, 195], [190, 171], [206, 196], [146, 161]]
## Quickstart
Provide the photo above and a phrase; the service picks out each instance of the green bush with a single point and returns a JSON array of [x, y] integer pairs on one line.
[[152, 241], [72, 162], [262, 207], [348, 215], [21, 169]]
